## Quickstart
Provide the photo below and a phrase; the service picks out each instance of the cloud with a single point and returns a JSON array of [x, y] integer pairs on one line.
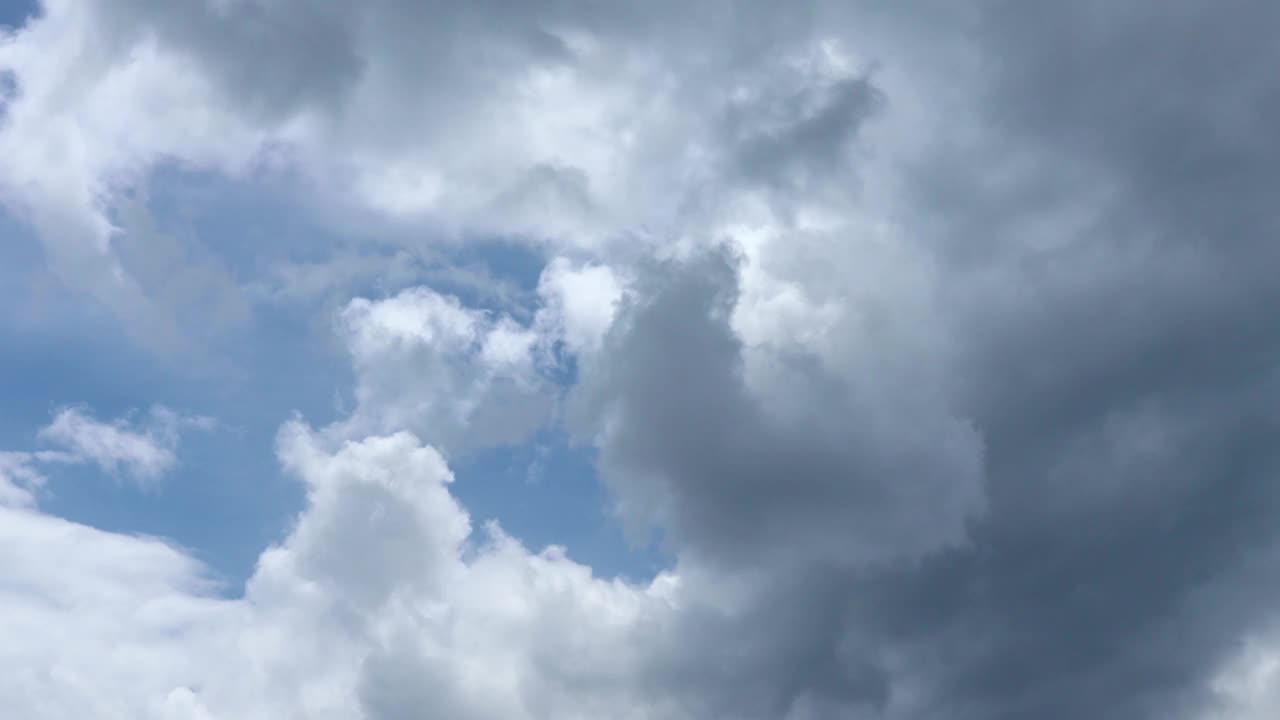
[[570, 132], [375, 598], [938, 346], [784, 460], [1246, 688], [21, 477], [381, 601], [461, 377], [141, 451], [1111, 352], [579, 303]]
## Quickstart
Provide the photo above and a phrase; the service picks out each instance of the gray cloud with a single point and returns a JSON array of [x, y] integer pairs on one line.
[[1119, 368], [691, 447], [1122, 373]]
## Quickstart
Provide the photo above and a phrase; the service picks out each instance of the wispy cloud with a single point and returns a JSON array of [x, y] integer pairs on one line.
[[140, 448]]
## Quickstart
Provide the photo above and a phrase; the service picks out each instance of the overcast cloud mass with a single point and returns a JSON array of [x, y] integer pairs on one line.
[[932, 348]]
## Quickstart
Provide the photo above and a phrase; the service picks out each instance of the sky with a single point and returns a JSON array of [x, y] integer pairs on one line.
[[563, 359]]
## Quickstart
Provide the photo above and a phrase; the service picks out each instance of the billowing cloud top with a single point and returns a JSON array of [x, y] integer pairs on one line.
[[935, 345]]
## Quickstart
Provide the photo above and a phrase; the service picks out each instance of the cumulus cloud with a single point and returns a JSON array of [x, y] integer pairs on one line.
[[937, 346], [379, 600], [459, 376], [579, 303]]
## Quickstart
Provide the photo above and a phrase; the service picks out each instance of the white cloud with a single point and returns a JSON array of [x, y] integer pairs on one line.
[[72, 156], [580, 303], [461, 377], [142, 451], [1248, 688], [95, 623], [376, 601], [21, 477], [579, 130]]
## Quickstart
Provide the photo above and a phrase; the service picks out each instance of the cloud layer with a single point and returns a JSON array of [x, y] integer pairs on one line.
[[936, 346]]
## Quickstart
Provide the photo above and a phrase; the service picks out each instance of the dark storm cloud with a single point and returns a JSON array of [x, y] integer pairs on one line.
[[273, 58], [1122, 379], [1125, 381], [693, 450], [807, 132], [783, 654]]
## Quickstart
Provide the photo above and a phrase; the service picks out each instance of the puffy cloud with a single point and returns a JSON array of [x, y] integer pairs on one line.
[[378, 600], [96, 622], [459, 376], [579, 303]]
